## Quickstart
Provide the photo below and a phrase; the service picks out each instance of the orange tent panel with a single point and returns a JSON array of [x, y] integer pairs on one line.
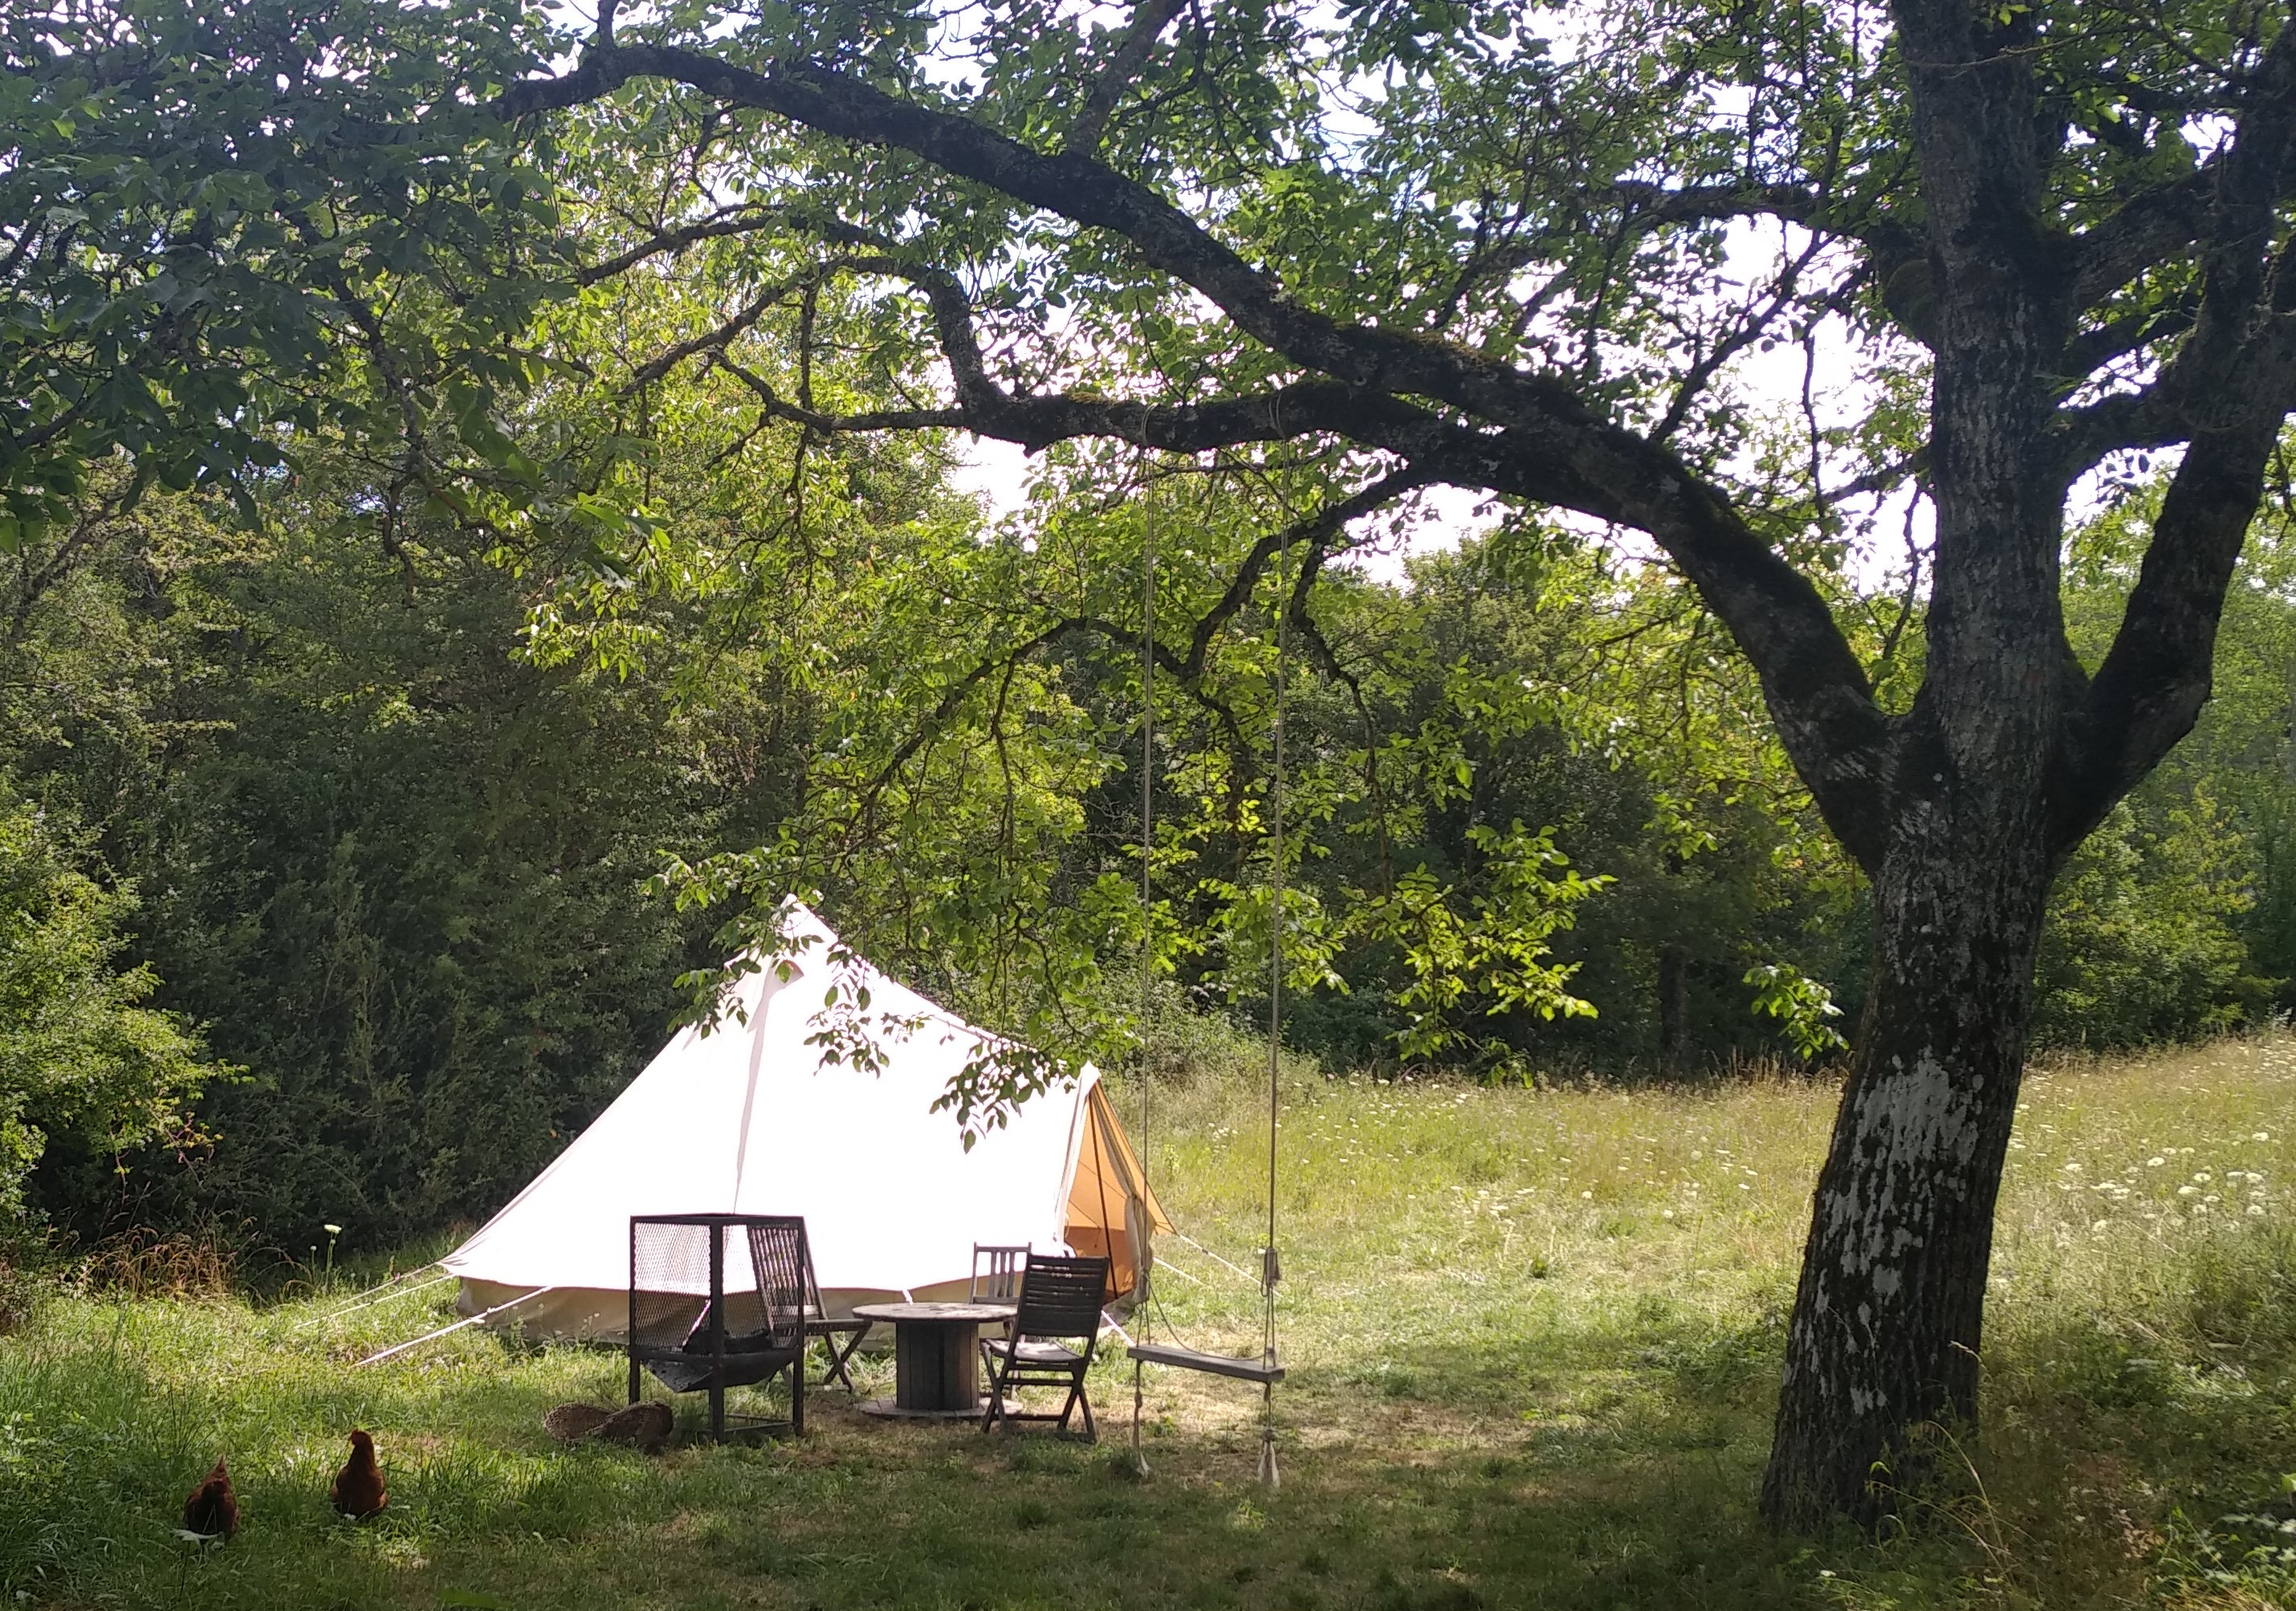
[[1112, 1210]]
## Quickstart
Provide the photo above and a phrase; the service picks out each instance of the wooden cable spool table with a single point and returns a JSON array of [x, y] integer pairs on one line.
[[936, 1357]]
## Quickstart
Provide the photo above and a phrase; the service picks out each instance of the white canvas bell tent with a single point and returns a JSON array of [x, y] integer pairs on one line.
[[750, 1118]]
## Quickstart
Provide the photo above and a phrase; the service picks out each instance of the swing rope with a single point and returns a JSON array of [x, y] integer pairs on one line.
[[1147, 926], [1271, 1270], [1268, 1372]]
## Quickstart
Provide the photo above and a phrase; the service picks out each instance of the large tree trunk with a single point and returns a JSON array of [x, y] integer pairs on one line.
[[1890, 1316]]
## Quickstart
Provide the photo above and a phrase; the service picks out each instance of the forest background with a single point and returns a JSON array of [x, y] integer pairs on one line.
[[349, 867], [357, 844]]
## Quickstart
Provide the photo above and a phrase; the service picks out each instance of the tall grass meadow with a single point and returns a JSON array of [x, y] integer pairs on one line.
[[1533, 1337]]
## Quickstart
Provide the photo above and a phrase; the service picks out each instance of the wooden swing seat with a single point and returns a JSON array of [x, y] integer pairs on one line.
[[1214, 1364]]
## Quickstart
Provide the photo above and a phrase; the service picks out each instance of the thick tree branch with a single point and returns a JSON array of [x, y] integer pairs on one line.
[[1088, 193], [2188, 401], [2155, 224], [1150, 19], [2231, 366], [2235, 253], [716, 340], [2092, 349], [1825, 711], [2146, 229], [1550, 436], [2232, 386], [1714, 203], [2150, 690], [1036, 423], [1818, 690], [1888, 240], [727, 220]]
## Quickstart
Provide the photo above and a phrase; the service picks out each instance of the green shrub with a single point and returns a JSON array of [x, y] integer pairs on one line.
[[79, 1052]]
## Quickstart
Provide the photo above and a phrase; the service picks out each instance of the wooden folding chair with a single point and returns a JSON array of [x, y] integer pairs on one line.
[[1054, 1333], [841, 1339], [997, 1276], [996, 1273]]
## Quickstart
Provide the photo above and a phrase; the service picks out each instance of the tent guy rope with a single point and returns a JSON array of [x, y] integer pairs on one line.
[[1227, 1265], [1164, 1264], [524, 1298], [395, 1287]]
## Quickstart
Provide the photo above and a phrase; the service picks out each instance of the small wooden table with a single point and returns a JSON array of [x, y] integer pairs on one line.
[[935, 1357]]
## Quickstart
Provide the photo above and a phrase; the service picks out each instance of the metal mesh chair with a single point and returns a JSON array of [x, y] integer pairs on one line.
[[1054, 1333], [718, 1301]]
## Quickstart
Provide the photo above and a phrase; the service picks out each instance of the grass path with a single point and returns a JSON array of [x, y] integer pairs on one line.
[[1533, 1339]]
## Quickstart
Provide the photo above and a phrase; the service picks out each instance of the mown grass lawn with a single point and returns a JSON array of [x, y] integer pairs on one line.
[[1533, 1340]]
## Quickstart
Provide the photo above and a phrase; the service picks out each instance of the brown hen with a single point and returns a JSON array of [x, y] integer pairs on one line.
[[358, 1492], [212, 1510]]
